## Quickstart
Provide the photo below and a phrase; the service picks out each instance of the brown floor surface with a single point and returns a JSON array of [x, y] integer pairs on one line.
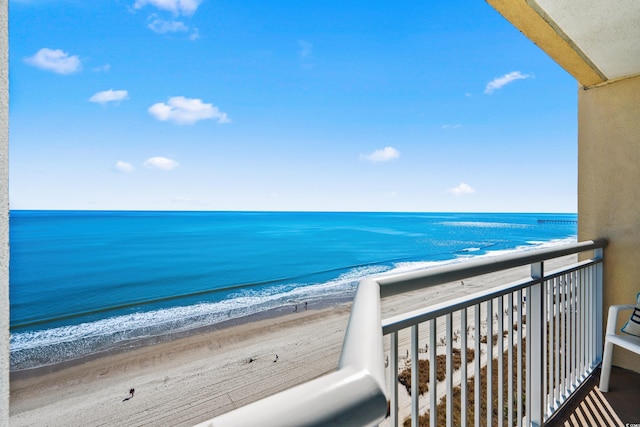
[[591, 408]]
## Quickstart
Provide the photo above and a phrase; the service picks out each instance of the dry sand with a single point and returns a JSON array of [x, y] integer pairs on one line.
[[189, 380]]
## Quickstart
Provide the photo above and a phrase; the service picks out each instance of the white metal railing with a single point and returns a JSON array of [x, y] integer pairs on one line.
[[534, 368], [529, 368]]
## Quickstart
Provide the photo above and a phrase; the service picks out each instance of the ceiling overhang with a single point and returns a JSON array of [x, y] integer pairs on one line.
[[596, 41]]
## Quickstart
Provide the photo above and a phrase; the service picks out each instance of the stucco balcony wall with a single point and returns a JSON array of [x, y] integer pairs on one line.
[[609, 187]]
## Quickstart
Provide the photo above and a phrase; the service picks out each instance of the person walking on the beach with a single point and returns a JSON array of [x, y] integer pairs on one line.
[[276, 359]]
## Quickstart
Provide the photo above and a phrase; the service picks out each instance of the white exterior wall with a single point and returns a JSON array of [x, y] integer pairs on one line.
[[4, 213]]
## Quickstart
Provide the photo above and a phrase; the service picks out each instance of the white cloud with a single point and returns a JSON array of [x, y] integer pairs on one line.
[[184, 7], [109, 96], [161, 26], [55, 60], [456, 126], [186, 111], [121, 166], [498, 82], [161, 163], [461, 190], [383, 155]]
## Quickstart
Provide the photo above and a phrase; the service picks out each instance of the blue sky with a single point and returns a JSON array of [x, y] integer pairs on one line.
[[285, 105]]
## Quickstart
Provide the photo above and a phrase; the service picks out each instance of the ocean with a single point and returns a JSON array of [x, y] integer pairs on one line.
[[86, 282]]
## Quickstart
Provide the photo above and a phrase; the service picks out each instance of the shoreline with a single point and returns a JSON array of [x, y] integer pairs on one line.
[[138, 343]]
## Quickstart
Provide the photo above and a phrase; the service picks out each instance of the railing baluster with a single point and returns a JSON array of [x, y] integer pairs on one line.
[[570, 330], [528, 357], [433, 391], [551, 317], [499, 331], [563, 339], [449, 368], [415, 381], [589, 322], [510, 319], [587, 319], [489, 366], [476, 370], [594, 327], [588, 326], [519, 358], [567, 337], [547, 401], [393, 377], [585, 323], [580, 326], [569, 333], [558, 303], [463, 367], [574, 330]]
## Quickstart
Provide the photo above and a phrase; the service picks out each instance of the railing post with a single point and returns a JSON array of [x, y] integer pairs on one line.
[[536, 325], [599, 303]]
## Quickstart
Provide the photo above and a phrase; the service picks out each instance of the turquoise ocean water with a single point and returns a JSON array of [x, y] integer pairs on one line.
[[83, 282]]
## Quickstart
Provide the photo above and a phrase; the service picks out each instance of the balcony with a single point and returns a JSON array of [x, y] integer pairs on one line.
[[542, 333]]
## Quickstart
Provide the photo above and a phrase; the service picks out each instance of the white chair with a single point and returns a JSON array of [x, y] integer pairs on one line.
[[630, 342]]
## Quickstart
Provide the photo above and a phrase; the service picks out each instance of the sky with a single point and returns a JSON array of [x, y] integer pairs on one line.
[[413, 106]]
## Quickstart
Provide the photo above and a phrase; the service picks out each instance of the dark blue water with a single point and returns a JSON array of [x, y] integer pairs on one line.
[[84, 281]]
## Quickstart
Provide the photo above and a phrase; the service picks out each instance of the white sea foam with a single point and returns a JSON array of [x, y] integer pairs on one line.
[[480, 224], [404, 267], [532, 246], [49, 346]]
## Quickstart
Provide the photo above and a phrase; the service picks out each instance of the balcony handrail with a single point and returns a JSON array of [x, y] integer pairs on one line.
[[356, 393], [411, 281], [404, 320]]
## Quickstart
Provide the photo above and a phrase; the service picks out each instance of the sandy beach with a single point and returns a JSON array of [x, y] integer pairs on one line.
[[191, 379]]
